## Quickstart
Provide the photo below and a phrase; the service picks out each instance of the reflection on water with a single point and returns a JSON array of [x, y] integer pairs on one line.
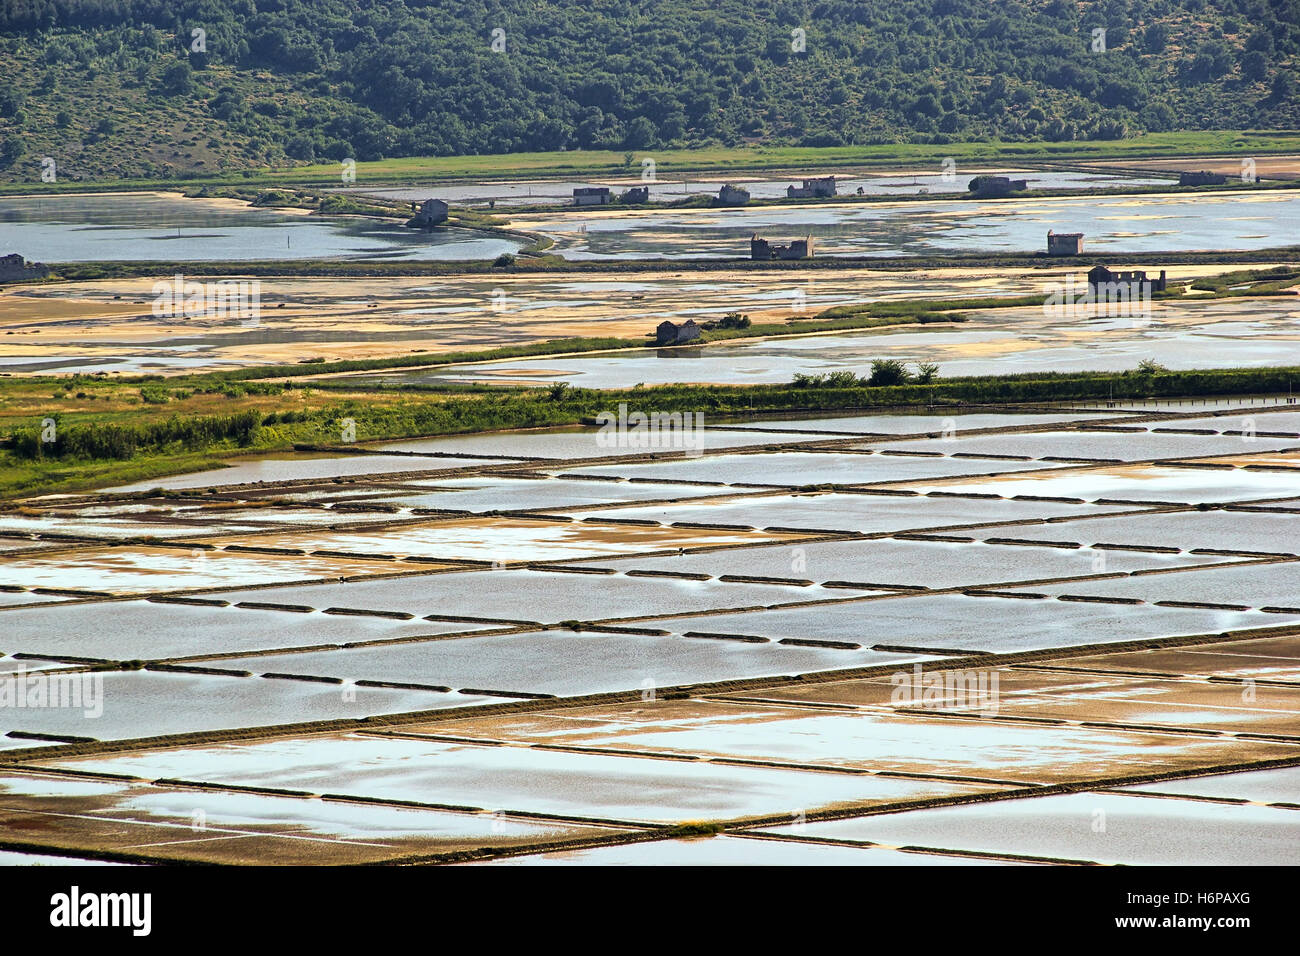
[[1172, 222], [149, 226]]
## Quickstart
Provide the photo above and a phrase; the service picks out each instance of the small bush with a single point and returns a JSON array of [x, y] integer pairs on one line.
[[888, 372], [926, 372]]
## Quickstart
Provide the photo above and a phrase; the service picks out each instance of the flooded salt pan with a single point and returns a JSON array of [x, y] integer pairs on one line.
[[564, 663], [868, 514], [511, 778], [908, 563], [736, 851], [143, 630], [149, 704], [797, 469], [1139, 831], [954, 622], [1151, 483], [527, 596], [304, 466], [867, 739]]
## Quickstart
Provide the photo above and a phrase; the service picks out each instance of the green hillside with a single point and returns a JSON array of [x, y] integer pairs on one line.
[[127, 88]]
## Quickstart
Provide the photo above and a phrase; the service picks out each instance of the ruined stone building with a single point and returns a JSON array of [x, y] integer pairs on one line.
[[427, 214], [1099, 276], [812, 189], [14, 267], [1064, 243], [996, 185], [797, 249], [591, 196], [1203, 178], [730, 195], [670, 333], [636, 195]]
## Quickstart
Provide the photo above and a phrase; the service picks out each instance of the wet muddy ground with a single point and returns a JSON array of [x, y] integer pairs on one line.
[[110, 325]]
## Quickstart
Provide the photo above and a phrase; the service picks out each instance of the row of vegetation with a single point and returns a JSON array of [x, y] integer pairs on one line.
[[528, 264], [1280, 280], [123, 441], [91, 451], [884, 372]]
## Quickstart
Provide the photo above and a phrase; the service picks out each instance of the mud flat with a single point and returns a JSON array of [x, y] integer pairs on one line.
[[110, 325]]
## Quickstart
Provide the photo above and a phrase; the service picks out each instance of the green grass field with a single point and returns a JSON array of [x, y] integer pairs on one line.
[[676, 163]]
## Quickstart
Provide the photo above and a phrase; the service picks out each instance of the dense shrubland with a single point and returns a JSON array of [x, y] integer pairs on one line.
[[286, 80]]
